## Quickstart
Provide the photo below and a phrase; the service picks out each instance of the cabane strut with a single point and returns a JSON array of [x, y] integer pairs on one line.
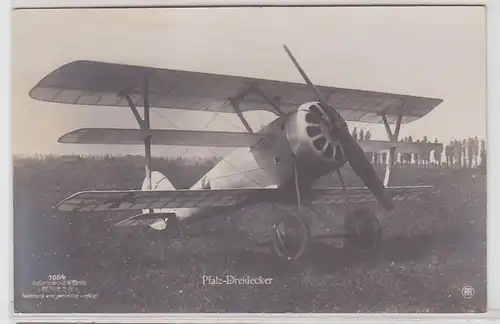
[[252, 89]]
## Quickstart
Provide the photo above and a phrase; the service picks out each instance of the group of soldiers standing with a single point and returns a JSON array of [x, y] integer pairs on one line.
[[469, 153]]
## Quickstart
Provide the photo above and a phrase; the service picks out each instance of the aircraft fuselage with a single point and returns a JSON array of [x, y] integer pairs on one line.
[[298, 137]]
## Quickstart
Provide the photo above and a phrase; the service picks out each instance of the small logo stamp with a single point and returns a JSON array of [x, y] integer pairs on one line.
[[468, 292]]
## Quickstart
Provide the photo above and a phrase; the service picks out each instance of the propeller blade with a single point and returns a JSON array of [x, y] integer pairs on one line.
[[305, 77], [364, 169], [353, 153], [336, 118]]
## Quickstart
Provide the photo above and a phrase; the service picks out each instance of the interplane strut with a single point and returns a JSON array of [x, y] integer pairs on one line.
[[393, 137], [147, 135], [144, 125]]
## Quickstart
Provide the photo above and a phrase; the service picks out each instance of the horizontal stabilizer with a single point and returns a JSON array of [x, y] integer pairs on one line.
[[401, 147], [334, 196], [161, 137], [113, 200]]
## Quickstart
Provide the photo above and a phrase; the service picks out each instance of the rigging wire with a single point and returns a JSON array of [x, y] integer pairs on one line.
[[217, 113]]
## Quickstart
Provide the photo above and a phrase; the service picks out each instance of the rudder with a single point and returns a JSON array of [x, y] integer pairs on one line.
[[158, 182]]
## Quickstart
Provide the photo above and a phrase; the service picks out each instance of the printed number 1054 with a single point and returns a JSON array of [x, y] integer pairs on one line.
[[57, 277]]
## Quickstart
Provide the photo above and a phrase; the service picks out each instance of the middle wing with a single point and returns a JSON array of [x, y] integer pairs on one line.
[[401, 147], [161, 137]]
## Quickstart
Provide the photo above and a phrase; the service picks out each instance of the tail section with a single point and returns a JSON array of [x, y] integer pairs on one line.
[[157, 218], [158, 182]]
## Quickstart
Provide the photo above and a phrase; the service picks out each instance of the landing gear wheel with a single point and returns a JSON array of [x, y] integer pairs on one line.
[[290, 237], [363, 229]]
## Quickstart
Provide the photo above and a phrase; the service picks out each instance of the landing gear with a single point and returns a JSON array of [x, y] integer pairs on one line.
[[290, 237], [363, 229]]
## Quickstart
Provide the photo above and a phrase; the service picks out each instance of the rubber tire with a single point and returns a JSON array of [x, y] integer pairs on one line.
[[306, 236], [369, 232]]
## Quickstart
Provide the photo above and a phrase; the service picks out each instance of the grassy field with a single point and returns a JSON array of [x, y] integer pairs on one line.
[[430, 249]]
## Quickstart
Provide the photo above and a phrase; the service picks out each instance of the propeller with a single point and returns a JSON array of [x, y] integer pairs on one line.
[[353, 153]]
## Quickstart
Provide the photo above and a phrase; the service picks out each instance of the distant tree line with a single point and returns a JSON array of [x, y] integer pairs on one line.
[[465, 153]]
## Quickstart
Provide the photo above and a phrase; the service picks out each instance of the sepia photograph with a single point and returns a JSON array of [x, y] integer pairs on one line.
[[249, 160]]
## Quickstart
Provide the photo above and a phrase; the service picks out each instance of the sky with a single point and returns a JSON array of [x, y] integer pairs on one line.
[[437, 52]]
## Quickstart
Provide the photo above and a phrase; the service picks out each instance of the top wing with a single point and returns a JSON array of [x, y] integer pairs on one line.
[[102, 84]]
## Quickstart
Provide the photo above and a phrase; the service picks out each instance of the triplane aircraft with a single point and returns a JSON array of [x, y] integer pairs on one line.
[[277, 164]]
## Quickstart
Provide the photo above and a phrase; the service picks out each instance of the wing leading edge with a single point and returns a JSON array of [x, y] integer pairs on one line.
[[101, 84]]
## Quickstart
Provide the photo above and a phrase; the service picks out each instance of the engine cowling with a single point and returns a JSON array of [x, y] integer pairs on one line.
[[309, 136]]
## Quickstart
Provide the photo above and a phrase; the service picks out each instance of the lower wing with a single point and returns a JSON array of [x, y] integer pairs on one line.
[[401, 147], [115, 200], [94, 201], [334, 196]]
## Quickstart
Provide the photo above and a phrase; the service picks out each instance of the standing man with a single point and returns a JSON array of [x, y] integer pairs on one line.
[[470, 151], [427, 154], [417, 156], [458, 153], [383, 157], [475, 152], [451, 147], [437, 153], [483, 155], [368, 136], [409, 156], [464, 152]]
